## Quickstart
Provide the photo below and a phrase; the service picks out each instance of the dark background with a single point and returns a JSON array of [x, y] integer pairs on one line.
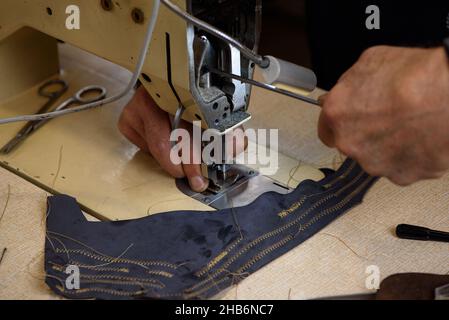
[[284, 31], [329, 35]]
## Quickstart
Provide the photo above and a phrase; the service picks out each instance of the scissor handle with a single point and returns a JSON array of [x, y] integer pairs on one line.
[[59, 88], [100, 94]]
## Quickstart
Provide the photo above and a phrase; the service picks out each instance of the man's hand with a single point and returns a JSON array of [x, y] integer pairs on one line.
[[390, 112], [149, 127]]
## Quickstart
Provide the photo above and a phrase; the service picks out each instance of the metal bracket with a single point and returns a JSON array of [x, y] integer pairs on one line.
[[248, 187]]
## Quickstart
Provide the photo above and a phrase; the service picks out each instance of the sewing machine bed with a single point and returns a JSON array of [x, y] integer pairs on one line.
[[84, 155]]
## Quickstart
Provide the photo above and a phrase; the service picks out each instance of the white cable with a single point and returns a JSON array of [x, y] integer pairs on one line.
[[261, 61], [132, 82]]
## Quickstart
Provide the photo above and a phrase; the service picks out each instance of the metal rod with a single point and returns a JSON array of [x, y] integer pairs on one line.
[[256, 58], [265, 86]]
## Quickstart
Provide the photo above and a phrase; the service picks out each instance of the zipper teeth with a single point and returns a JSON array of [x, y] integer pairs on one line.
[[268, 235], [120, 260]]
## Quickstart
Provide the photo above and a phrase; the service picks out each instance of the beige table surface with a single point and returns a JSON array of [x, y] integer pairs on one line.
[[83, 155]]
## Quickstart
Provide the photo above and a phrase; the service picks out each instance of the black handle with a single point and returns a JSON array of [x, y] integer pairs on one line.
[[406, 231]]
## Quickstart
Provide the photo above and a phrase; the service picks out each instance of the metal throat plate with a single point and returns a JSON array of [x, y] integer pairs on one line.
[[250, 185]]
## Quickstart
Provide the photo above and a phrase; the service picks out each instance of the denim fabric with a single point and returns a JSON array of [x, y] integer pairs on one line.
[[186, 254]]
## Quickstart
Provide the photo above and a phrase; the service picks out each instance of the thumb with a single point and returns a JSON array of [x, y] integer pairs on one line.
[[325, 132]]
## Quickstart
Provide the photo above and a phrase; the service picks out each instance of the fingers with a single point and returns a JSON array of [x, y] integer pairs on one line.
[[195, 177], [192, 169], [133, 136], [325, 132], [157, 136], [147, 126]]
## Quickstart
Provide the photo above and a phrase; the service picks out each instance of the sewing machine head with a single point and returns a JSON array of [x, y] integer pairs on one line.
[[177, 70], [223, 102]]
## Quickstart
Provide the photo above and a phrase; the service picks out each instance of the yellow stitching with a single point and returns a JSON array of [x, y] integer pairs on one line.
[[218, 258], [114, 260], [120, 278], [80, 265], [109, 291], [264, 237], [120, 282], [294, 207], [60, 268], [160, 273], [123, 270], [280, 243], [342, 176], [297, 205], [279, 230], [263, 253], [248, 265], [57, 268], [357, 178]]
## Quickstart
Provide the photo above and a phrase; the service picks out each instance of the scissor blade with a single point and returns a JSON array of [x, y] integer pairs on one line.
[[11, 145], [19, 138]]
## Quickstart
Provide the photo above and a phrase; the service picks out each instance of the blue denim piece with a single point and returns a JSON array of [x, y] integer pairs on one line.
[[187, 254]]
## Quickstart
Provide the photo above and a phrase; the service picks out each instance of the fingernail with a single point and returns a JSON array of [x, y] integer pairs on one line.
[[198, 183]]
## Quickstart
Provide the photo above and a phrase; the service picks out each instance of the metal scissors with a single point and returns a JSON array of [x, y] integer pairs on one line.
[[86, 95], [53, 90]]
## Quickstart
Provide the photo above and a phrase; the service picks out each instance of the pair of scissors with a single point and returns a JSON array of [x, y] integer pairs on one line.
[[53, 90], [86, 95]]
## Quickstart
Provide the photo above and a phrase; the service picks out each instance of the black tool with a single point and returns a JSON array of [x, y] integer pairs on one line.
[[406, 231]]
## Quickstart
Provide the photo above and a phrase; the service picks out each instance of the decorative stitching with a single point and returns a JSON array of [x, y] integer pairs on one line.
[[279, 230], [94, 268], [102, 290], [120, 260], [342, 176], [161, 273], [300, 203], [218, 258], [294, 207]]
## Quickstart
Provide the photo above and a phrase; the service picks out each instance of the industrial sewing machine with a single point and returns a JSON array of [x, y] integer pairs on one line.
[[191, 71]]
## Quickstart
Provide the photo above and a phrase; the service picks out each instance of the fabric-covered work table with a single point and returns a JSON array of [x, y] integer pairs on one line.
[[333, 262]]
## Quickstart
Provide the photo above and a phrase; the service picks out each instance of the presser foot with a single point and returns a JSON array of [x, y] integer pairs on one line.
[[241, 187]]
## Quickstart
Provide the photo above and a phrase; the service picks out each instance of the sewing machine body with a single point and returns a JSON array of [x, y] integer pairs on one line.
[[174, 72], [171, 72]]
